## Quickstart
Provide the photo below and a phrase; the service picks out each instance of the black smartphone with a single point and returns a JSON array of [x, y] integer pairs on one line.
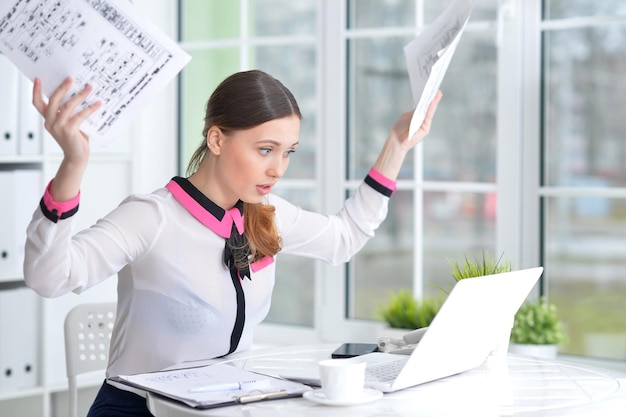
[[350, 350]]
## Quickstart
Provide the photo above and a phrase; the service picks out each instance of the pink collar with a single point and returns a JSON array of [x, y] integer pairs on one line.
[[206, 211]]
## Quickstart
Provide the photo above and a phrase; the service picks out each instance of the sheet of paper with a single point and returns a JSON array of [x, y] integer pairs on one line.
[[429, 54], [180, 384], [105, 43]]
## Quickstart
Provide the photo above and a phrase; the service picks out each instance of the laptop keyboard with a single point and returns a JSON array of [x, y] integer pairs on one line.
[[384, 371]]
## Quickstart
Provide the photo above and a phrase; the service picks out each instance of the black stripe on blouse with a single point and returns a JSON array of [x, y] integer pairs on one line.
[[53, 215], [387, 192]]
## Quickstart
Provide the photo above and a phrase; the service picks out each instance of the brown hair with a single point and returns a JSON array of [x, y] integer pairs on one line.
[[243, 100]]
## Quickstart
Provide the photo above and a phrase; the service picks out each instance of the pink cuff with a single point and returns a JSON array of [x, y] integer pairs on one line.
[[57, 206], [380, 183]]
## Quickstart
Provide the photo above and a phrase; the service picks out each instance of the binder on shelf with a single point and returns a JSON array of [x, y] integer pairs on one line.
[[29, 140], [18, 339], [28, 359], [27, 191], [9, 76], [8, 260]]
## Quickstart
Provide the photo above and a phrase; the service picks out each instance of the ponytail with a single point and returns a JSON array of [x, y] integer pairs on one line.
[[260, 229]]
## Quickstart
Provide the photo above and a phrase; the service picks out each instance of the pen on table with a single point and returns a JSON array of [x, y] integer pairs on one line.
[[231, 386]]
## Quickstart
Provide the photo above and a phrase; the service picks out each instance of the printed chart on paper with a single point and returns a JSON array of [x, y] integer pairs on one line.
[[105, 43]]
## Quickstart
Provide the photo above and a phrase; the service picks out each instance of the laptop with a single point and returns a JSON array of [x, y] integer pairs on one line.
[[473, 322]]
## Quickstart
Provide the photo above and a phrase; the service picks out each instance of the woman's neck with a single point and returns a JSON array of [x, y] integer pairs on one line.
[[203, 181]]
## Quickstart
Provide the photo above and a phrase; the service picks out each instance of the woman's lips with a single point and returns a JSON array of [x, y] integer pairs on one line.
[[264, 189]]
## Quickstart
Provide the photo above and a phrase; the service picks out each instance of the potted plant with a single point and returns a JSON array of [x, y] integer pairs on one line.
[[471, 268], [537, 330], [404, 312]]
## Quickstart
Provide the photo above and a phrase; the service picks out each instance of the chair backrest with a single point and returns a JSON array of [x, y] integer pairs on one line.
[[87, 330]]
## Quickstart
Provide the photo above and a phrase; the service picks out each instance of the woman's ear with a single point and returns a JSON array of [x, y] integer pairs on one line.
[[214, 140]]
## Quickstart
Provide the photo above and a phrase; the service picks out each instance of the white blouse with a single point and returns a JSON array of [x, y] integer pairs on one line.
[[176, 299]]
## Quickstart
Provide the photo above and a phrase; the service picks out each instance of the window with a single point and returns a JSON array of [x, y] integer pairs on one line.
[[524, 158], [583, 186], [444, 206]]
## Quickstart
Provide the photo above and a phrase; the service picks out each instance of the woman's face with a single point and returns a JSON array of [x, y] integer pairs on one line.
[[251, 161]]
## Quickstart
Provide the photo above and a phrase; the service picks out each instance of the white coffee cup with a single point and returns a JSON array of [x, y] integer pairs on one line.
[[342, 379]]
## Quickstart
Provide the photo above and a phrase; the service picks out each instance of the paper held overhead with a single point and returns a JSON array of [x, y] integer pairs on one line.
[[429, 54], [105, 43]]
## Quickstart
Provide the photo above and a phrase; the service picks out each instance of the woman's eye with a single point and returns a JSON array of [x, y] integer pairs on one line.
[[266, 151], [290, 152]]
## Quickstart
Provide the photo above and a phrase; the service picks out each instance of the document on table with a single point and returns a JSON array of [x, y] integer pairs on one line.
[[214, 385], [105, 43], [429, 54]]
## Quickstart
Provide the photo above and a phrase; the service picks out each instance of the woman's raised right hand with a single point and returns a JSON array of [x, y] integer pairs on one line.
[[62, 123], [64, 126]]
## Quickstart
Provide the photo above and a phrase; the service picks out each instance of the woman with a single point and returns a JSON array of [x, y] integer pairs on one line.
[[195, 259]]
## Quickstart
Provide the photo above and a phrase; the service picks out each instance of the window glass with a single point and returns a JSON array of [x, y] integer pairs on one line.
[[204, 72], [460, 148], [365, 14], [559, 9], [295, 66], [380, 13], [293, 300], [203, 20], [456, 225], [463, 150], [462, 143], [386, 262], [483, 9], [379, 91], [583, 130], [585, 260], [585, 106], [283, 17]]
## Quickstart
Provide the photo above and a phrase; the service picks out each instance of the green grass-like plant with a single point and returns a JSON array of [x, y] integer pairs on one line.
[[403, 311], [537, 323], [471, 268]]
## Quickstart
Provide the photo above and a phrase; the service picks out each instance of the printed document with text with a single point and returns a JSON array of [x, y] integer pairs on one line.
[[105, 43], [429, 54]]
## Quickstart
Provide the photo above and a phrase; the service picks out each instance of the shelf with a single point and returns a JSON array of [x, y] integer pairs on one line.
[[91, 381], [18, 160], [84, 381], [21, 393], [96, 157]]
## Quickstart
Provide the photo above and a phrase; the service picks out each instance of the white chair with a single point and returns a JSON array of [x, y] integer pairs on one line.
[[87, 331]]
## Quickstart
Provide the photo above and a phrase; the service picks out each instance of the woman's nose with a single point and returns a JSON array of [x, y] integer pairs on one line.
[[278, 167]]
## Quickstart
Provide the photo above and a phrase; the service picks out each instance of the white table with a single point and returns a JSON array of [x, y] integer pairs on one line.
[[517, 386]]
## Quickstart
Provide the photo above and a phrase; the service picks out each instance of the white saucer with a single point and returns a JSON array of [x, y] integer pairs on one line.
[[368, 395]]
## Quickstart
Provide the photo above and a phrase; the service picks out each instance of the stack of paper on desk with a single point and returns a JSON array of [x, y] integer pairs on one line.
[[213, 386], [428, 56]]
